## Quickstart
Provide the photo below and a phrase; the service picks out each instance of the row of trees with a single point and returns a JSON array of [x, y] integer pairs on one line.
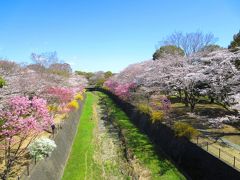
[[214, 75], [30, 98], [20, 79], [49, 61], [24, 118], [97, 78], [216, 78]]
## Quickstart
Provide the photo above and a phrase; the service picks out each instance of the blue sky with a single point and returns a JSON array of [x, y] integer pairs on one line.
[[95, 35]]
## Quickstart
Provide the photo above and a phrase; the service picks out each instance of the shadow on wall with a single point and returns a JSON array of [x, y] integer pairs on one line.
[[193, 160]]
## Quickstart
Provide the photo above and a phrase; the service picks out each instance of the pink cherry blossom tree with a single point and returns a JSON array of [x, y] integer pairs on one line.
[[121, 90], [213, 74], [22, 121], [60, 95]]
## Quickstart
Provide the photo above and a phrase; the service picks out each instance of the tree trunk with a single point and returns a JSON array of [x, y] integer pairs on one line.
[[7, 170], [186, 99], [211, 100], [180, 94], [192, 107], [192, 101]]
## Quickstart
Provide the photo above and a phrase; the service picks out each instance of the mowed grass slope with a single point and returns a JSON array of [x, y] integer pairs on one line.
[[80, 159], [142, 148], [81, 164]]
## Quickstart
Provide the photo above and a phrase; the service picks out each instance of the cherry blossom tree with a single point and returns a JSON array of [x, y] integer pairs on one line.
[[60, 67], [124, 90], [59, 97], [223, 76], [214, 74], [45, 59], [8, 67], [110, 85], [21, 122], [24, 112], [121, 90]]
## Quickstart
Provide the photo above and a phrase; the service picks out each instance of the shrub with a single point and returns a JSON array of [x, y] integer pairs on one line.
[[99, 82], [41, 148], [73, 105], [156, 105], [157, 116], [78, 96], [165, 104], [143, 108], [2, 82], [53, 108], [161, 103], [182, 129]]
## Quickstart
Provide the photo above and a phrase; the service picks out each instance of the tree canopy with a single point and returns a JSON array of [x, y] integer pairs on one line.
[[236, 41], [190, 42], [168, 50], [2, 82]]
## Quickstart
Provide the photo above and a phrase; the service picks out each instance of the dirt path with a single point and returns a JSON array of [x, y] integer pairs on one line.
[[110, 153]]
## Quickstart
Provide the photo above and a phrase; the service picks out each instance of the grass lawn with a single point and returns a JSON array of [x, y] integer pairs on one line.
[[142, 148], [230, 133], [79, 164]]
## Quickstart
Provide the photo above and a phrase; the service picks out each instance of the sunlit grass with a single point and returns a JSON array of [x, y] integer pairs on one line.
[[80, 159], [142, 148]]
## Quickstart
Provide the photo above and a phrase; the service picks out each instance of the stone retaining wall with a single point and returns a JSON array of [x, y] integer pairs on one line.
[[52, 168]]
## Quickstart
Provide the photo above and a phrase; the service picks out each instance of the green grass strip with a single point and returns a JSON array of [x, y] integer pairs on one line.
[[142, 148], [80, 159]]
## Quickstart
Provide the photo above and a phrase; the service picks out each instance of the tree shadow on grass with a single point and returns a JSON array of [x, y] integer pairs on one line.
[[149, 153], [137, 142]]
